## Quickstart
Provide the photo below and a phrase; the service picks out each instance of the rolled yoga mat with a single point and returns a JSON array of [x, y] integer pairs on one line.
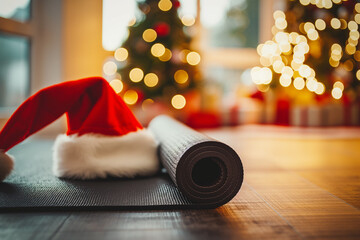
[[201, 173], [206, 171]]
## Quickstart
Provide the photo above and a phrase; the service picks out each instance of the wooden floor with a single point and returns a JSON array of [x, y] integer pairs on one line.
[[299, 184]]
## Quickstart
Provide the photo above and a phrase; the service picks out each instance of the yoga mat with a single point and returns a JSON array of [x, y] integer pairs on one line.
[[200, 173]]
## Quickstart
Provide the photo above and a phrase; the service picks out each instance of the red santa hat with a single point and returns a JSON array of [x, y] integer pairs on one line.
[[103, 138]]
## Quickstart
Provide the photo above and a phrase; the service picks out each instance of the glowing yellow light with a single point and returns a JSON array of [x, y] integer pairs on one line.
[[292, 37], [335, 23], [287, 72], [357, 56], [255, 75], [285, 82], [136, 74], [286, 47], [149, 35], [337, 1], [304, 71], [339, 85], [181, 76], [188, 20], [299, 83], [336, 93], [282, 37], [320, 88], [278, 14], [193, 58], [327, 4], [178, 101], [166, 56], [151, 79], [357, 18], [348, 65], [313, 34], [311, 84], [305, 2], [110, 68], [301, 39], [281, 23], [157, 49], [121, 54], [336, 46], [183, 54], [132, 22], [352, 25], [265, 61], [320, 24], [350, 49], [117, 85], [343, 24], [357, 7], [295, 64], [308, 26], [358, 74], [131, 97], [312, 73], [266, 75], [147, 103], [354, 35], [165, 5], [333, 62], [278, 66]]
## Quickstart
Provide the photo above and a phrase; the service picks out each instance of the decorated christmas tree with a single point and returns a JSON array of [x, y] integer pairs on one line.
[[314, 50], [156, 61]]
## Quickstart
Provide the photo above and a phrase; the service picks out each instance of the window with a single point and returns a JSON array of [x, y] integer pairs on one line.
[[15, 47]]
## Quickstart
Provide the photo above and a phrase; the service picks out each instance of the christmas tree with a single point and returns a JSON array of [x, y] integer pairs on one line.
[[315, 48], [156, 61]]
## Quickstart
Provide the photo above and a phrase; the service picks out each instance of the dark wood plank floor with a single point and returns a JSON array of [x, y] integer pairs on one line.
[[299, 184]]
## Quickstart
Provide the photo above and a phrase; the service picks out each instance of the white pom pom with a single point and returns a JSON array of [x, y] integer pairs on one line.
[[6, 165]]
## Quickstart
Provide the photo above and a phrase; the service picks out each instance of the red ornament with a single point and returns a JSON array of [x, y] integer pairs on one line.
[[176, 4], [162, 29]]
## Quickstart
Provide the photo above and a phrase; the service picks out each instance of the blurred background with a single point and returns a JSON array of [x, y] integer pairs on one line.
[[208, 63]]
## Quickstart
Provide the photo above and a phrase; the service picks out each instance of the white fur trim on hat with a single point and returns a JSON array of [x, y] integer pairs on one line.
[[97, 156], [6, 164]]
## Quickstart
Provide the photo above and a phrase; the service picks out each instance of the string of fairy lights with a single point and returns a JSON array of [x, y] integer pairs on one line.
[[157, 50], [286, 53]]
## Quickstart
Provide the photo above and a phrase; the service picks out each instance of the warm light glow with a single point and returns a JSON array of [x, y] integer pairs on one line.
[[181, 76], [348, 65], [357, 7], [132, 22], [281, 23], [313, 34], [358, 75], [285, 82], [320, 24], [278, 66], [110, 68], [304, 71], [299, 83], [183, 54], [193, 58], [357, 18], [357, 56], [278, 14], [188, 20], [320, 88], [261, 75], [149, 35], [287, 72], [131, 97], [308, 26], [339, 85], [336, 93], [165, 5], [151, 79], [350, 49], [136, 74], [311, 84], [178, 101], [166, 56], [121, 54], [335, 23], [352, 25], [117, 85], [292, 37], [147, 103], [304, 2], [157, 49]]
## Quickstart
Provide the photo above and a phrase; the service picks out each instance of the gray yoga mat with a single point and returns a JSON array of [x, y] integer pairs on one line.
[[199, 172]]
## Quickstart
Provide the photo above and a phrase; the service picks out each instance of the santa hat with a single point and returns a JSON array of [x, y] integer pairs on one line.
[[103, 138]]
